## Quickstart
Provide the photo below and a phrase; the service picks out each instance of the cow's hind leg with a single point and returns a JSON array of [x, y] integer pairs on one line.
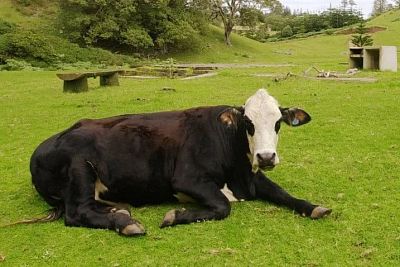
[[216, 205], [81, 208], [270, 191]]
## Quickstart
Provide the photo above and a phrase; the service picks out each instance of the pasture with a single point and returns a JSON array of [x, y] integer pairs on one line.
[[346, 159]]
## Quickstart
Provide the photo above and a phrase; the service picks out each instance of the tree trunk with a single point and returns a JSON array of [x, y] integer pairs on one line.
[[227, 35]]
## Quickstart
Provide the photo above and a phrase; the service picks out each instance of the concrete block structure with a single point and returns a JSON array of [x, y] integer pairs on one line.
[[382, 58]]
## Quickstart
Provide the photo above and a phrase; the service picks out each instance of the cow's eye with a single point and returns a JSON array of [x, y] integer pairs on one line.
[[277, 126]]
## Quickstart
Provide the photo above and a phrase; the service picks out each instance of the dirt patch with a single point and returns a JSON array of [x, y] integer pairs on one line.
[[172, 71], [372, 29]]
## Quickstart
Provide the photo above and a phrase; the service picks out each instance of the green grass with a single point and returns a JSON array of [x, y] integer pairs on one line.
[[36, 16], [8, 12], [346, 159], [319, 50], [244, 50], [391, 36]]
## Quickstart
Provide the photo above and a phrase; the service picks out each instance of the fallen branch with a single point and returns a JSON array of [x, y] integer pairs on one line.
[[325, 74]]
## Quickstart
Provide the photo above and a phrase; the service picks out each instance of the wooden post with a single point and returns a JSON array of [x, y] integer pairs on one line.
[[76, 86], [109, 80]]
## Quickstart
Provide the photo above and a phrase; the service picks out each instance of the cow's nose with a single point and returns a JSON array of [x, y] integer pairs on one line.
[[266, 159]]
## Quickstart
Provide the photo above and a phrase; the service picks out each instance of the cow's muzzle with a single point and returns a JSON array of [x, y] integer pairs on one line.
[[266, 161]]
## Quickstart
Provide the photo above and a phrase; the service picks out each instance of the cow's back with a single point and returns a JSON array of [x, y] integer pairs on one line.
[[134, 156]]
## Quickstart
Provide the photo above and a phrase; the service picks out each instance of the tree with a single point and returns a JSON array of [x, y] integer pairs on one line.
[[287, 31], [229, 12], [132, 25], [250, 17], [397, 3], [361, 39], [338, 18], [379, 7], [344, 4], [352, 3]]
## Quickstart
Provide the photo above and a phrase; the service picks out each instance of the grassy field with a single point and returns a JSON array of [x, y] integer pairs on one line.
[[346, 159]]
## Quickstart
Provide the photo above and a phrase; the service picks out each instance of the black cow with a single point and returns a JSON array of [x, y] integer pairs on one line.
[[154, 158]]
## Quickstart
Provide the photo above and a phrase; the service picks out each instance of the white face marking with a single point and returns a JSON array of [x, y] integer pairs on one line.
[[263, 110]]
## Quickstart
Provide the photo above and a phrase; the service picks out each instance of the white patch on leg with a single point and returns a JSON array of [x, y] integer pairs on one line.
[[183, 198], [101, 188], [229, 194]]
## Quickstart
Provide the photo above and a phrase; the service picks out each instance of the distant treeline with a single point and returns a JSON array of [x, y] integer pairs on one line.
[[284, 24]]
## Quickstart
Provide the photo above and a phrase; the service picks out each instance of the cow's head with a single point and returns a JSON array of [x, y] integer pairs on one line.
[[266, 116]]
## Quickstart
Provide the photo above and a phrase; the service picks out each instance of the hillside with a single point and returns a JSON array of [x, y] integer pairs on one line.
[[321, 49], [317, 49], [391, 36]]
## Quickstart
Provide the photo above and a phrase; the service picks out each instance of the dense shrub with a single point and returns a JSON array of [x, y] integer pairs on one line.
[[43, 50], [15, 65], [179, 36], [287, 31], [6, 26], [131, 26], [329, 31], [29, 45]]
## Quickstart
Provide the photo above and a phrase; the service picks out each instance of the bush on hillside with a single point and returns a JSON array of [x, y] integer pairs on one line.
[[132, 26], [27, 45], [43, 51], [179, 36], [15, 65], [287, 31], [6, 26]]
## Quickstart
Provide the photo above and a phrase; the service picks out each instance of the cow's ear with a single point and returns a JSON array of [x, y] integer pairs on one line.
[[295, 116], [229, 117]]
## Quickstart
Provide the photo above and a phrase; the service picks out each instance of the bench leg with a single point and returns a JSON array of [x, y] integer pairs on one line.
[[109, 80], [76, 86]]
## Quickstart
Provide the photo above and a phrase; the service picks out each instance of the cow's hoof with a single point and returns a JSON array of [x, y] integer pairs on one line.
[[169, 219], [320, 212], [133, 230]]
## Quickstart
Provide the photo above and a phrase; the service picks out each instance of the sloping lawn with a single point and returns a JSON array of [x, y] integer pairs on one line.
[[318, 50]]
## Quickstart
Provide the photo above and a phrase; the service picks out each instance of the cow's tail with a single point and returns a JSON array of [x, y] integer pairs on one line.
[[53, 215]]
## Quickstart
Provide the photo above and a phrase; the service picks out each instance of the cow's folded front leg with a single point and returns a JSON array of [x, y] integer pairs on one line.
[[270, 191], [216, 205], [81, 208]]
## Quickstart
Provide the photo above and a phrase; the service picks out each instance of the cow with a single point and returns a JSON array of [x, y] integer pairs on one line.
[[212, 155]]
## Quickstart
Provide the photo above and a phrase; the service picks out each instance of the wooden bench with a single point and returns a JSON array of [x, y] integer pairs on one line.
[[77, 82]]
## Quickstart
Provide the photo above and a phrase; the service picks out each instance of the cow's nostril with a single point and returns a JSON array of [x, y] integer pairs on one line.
[[266, 157]]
